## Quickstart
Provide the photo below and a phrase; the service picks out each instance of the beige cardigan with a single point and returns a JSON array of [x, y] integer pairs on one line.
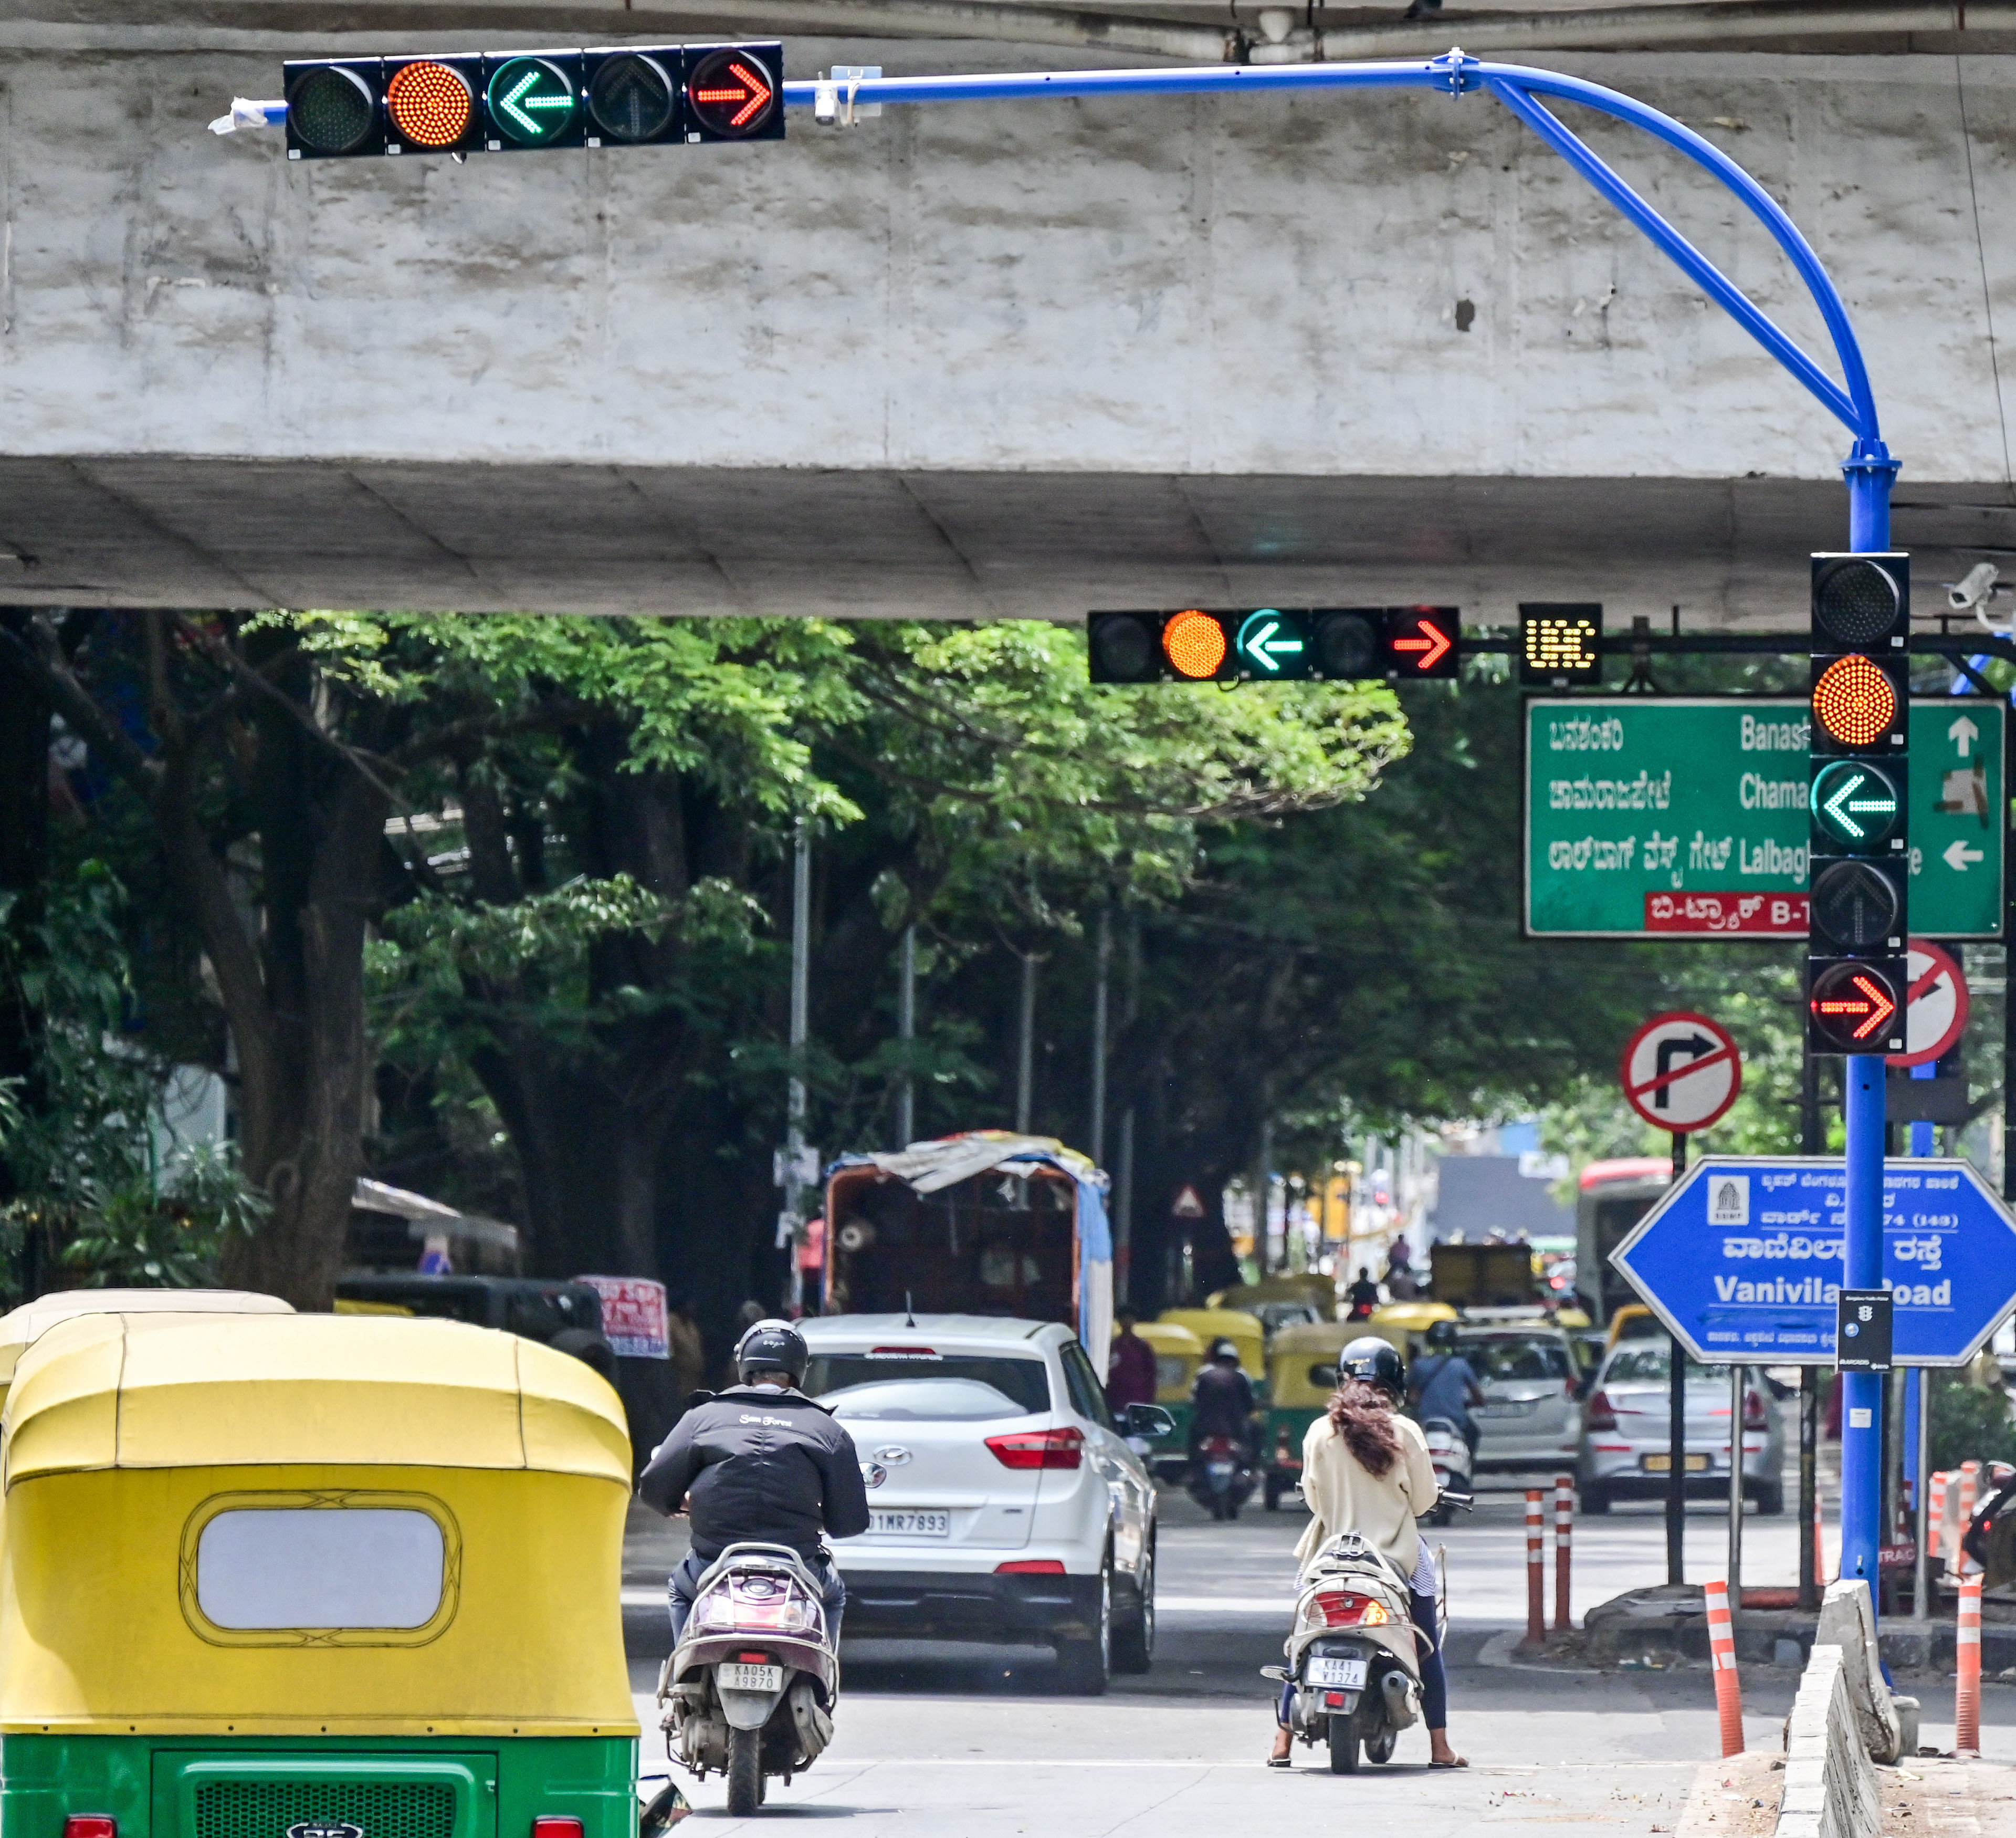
[[1344, 1497]]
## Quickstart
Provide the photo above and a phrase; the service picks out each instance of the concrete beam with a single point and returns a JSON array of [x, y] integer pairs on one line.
[[986, 359]]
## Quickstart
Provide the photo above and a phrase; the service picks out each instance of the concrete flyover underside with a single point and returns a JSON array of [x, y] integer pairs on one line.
[[862, 543], [979, 361]]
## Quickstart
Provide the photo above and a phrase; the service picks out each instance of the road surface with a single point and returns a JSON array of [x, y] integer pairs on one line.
[[974, 1744]]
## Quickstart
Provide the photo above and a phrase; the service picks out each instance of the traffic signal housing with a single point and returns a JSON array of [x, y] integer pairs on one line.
[[1275, 644], [1859, 844], [532, 101]]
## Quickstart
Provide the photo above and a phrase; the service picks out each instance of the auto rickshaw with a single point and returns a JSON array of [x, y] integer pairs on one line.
[[20, 1327], [1179, 1353], [1302, 1374], [1406, 1324], [1243, 1330], [1281, 1300], [311, 1576]]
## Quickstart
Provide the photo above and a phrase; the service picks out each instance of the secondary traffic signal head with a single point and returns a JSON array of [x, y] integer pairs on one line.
[[1560, 644], [1191, 646], [1423, 642], [1858, 855], [529, 101]]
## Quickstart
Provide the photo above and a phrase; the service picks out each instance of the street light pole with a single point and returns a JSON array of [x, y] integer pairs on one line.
[[906, 1032], [791, 1226]]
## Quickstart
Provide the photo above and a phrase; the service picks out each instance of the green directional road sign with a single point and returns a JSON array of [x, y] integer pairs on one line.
[[1270, 643], [532, 101], [1683, 815]]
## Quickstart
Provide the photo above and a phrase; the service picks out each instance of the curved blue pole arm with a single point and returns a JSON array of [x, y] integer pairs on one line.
[[1852, 402]]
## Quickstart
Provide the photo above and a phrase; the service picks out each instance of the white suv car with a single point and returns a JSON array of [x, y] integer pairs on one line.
[[1006, 1506]]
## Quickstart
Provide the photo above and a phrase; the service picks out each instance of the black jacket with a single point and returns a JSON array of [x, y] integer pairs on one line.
[[1221, 1402], [758, 1464]]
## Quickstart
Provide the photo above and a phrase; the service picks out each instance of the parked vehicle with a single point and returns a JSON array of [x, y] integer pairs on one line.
[[1450, 1455], [1530, 1417], [1625, 1450], [986, 1222], [1005, 1503], [750, 1690], [1302, 1374], [567, 1317], [1354, 1656], [1221, 1476], [301, 1571]]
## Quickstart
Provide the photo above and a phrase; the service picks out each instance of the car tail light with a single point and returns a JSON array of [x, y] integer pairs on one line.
[[903, 1352], [1039, 1448], [551, 1825], [91, 1824], [1753, 1409], [1031, 1566], [1340, 1608], [1602, 1412]]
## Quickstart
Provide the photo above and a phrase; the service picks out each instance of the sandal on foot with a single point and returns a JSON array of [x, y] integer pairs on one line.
[[1460, 1761], [1281, 1761]]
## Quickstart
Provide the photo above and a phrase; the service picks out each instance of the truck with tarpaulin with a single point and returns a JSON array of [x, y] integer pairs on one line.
[[988, 1223]]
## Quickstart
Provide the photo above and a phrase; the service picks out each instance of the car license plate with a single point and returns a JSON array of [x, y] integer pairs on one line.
[[911, 1525], [1663, 1464], [736, 1677], [1337, 1674], [1506, 1407]]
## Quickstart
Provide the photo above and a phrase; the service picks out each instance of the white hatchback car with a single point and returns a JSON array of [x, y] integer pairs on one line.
[[1006, 1506]]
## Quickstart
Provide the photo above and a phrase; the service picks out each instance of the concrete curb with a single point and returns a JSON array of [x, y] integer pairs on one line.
[[1830, 1783]]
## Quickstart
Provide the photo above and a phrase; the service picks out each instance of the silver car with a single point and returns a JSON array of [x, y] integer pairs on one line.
[[1530, 1417], [1626, 1450]]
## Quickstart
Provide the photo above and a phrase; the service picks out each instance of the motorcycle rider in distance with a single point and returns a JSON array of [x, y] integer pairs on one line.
[[760, 1463], [1444, 1384], [1221, 1400], [1365, 1470]]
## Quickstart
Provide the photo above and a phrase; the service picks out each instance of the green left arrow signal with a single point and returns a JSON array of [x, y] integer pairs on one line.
[[1856, 804], [531, 101], [1272, 643]]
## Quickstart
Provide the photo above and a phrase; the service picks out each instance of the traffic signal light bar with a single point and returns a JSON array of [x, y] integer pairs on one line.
[[1276, 644], [526, 101]]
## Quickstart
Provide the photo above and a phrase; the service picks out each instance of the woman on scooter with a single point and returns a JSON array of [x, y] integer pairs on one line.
[[1365, 1470]]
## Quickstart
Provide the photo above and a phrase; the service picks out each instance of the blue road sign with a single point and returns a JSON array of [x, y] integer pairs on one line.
[[1744, 1258]]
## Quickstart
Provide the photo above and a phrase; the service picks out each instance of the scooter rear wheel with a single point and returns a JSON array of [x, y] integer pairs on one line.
[[1379, 1748], [745, 1773], [1344, 1745]]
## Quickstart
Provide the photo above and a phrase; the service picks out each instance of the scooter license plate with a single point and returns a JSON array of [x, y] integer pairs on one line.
[[736, 1677], [1337, 1674]]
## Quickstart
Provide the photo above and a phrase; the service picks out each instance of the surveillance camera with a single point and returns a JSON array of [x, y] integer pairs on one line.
[[1973, 589]]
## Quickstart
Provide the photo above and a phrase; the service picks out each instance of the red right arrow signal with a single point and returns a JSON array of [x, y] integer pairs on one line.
[[1420, 639], [1854, 1003], [732, 93]]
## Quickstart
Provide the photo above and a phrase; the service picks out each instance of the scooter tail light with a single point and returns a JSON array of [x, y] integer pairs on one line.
[[1039, 1448], [548, 1825], [1602, 1412], [1336, 1608], [91, 1824]]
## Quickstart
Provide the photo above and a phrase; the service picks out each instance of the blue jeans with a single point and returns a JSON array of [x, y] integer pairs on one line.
[[683, 1584], [1434, 1681]]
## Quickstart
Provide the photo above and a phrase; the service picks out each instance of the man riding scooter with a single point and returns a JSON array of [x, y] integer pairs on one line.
[[760, 1463], [1444, 1384]]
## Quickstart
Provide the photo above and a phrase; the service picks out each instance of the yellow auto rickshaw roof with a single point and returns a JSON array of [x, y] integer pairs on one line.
[[1169, 1337], [153, 1390], [1308, 1286], [1243, 1331], [1306, 1337], [1416, 1316], [21, 1327]]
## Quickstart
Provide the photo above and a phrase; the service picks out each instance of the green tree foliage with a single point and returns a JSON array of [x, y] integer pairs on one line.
[[93, 1202], [1969, 1422]]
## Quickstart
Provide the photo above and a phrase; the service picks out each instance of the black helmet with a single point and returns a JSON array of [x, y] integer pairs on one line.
[[1373, 1361], [772, 1346], [1441, 1336]]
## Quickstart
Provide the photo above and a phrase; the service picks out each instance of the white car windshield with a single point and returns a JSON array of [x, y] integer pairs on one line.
[[948, 1389]]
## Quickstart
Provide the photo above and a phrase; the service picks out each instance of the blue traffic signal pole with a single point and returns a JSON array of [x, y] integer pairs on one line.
[[1869, 470]]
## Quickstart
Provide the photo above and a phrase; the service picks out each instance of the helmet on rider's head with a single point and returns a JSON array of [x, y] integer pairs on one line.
[[1222, 1348], [1373, 1361], [772, 1346], [1441, 1336]]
